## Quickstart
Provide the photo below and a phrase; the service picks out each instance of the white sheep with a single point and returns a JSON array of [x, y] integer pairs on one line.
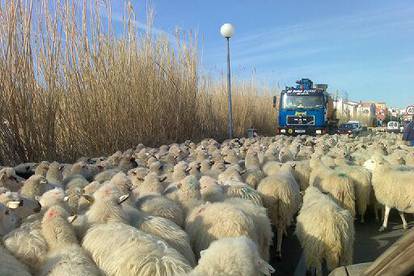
[[232, 256], [65, 256], [337, 184], [325, 231], [209, 222], [281, 196], [161, 206], [393, 188], [119, 249], [362, 183], [170, 232]]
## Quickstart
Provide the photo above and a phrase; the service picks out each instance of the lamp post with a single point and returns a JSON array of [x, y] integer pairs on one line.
[[227, 31]]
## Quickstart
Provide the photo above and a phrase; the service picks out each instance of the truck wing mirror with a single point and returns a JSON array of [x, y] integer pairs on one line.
[[274, 101]]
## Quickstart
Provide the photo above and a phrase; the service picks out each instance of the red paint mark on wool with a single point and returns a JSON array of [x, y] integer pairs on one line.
[[52, 213]]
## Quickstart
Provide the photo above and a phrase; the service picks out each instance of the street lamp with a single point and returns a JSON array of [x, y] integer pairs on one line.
[[227, 31]]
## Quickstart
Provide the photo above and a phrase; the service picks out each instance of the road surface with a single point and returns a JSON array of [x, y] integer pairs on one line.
[[369, 244]]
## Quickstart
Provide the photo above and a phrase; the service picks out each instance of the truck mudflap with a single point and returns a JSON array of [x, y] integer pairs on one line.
[[301, 131]]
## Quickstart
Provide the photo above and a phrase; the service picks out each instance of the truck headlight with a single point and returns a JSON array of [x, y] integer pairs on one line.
[[283, 131], [318, 131]]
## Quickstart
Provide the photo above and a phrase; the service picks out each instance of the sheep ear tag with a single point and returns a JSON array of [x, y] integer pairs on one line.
[[122, 198], [13, 204], [71, 219], [66, 198]]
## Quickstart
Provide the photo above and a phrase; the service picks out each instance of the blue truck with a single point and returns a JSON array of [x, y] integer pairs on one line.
[[306, 109]]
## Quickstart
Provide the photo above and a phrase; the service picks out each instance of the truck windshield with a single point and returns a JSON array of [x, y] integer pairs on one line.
[[293, 101]]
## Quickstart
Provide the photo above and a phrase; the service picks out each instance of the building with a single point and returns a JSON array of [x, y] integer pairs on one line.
[[366, 113], [345, 109]]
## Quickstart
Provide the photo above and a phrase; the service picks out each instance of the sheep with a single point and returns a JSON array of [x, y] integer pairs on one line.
[[281, 196], [301, 173], [187, 193], [105, 208], [362, 183], [261, 222], [180, 171], [209, 222], [42, 168], [10, 266], [337, 184], [128, 251], [271, 167], [157, 205], [21, 206], [252, 177], [393, 188], [75, 180], [54, 174], [35, 186], [8, 220], [244, 191], [106, 175], [152, 184], [325, 231], [9, 179], [231, 173], [210, 190], [232, 256], [169, 232], [65, 256], [27, 244]]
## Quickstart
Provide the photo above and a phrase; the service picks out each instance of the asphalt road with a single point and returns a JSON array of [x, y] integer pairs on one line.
[[368, 245]]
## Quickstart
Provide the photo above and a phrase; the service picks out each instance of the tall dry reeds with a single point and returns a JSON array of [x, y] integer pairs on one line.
[[71, 86]]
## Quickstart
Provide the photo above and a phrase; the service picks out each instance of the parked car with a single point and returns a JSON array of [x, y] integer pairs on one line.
[[393, 126], [350, 128]]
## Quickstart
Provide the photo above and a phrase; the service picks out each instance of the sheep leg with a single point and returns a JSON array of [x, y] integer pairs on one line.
[[386, 215], [405, 225], [279, 243]]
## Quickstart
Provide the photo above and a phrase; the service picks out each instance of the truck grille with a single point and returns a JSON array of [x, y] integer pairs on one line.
[[301, 120]]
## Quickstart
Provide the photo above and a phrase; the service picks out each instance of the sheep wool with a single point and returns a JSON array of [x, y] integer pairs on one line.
[[128, 251], [210, 222], [65, 256], [10, 266], [325, 231], [231, 257]]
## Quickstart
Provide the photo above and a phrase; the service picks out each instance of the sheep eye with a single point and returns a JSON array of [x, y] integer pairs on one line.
[[7, 212], [21, 203]]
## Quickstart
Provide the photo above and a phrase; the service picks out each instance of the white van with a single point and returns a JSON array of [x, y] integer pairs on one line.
[[393, 126]]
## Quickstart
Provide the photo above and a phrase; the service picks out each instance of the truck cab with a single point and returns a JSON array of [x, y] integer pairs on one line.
[[304, 109]]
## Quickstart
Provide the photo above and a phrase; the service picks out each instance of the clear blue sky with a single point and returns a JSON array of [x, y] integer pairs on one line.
[[363, 47]]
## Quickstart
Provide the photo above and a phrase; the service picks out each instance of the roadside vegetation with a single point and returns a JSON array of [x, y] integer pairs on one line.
[[73, 83]]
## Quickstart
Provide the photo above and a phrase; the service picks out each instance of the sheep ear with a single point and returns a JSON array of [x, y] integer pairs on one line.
[[13, 204], [293, 165], [89, 198], [265, 268], [71, 219], [122, 198]]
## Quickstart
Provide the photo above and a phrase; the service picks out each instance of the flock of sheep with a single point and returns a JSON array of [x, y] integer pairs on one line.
[[200, 209]]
